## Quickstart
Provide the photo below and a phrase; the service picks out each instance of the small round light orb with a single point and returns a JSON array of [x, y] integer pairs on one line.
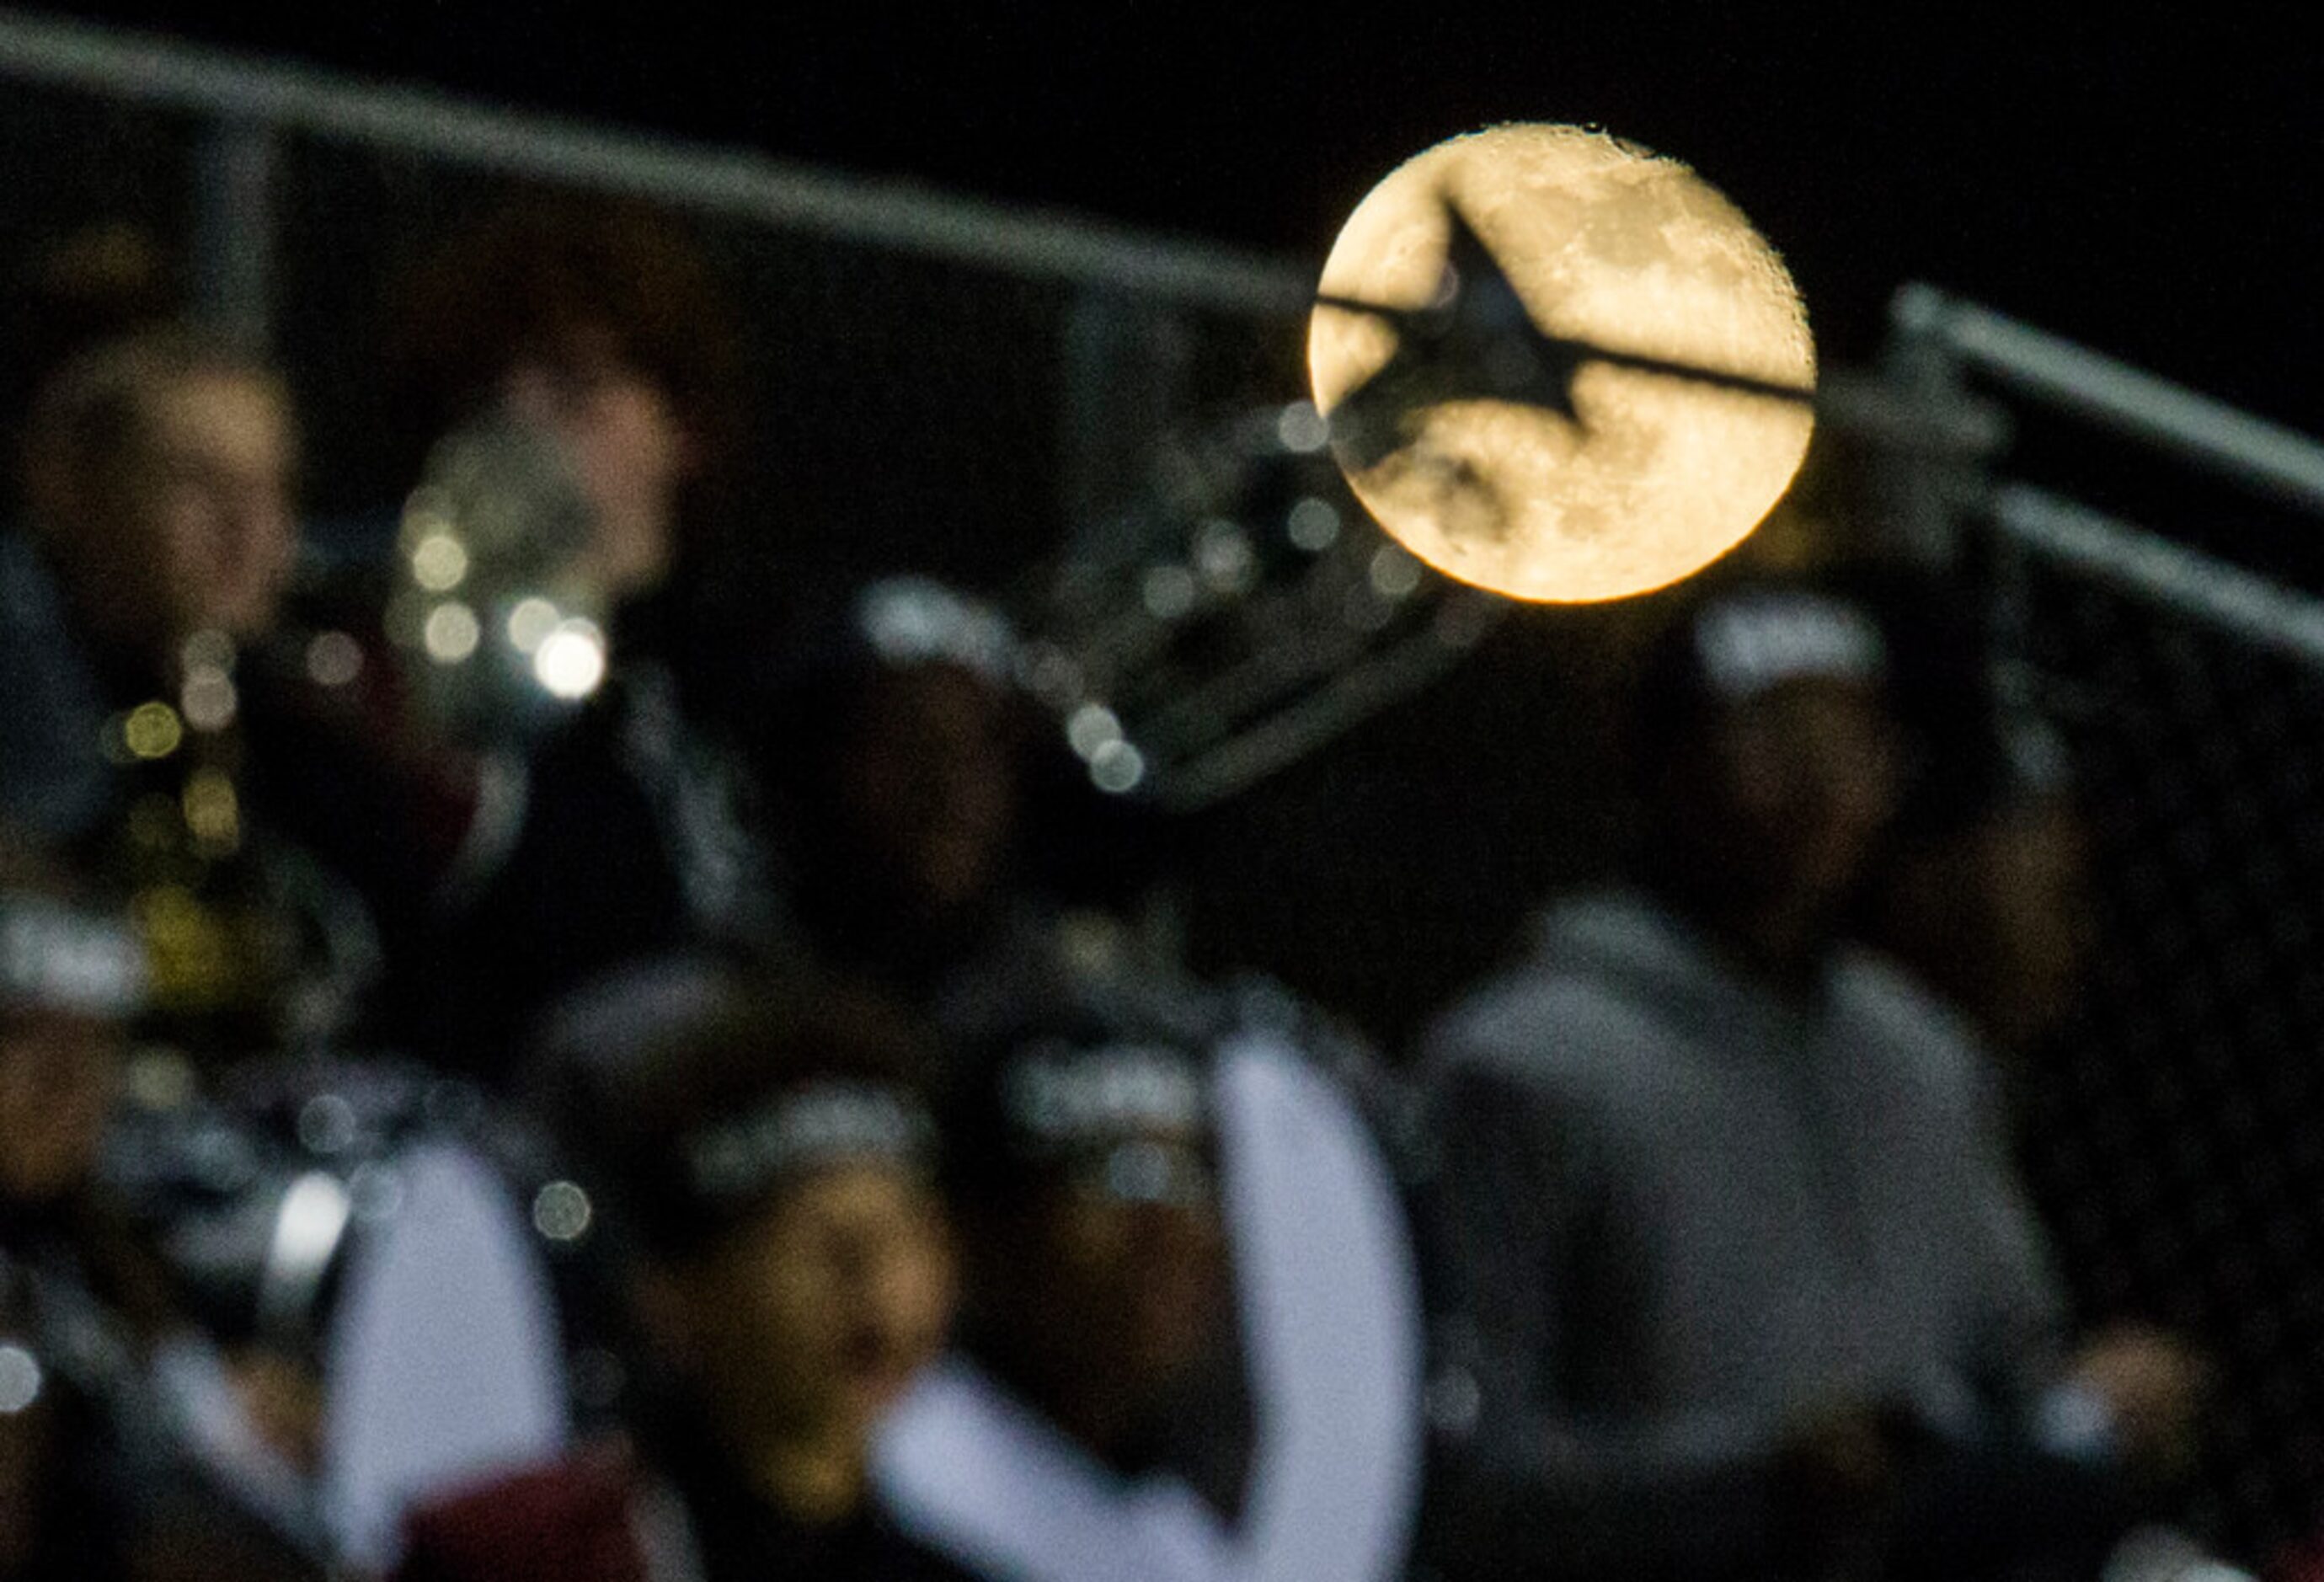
[[561, 1211], [1117, 768], [212, 810], [1168, 591], [1049, 673], [208, 700], [1223, 553], [1314, 524], [208, 650], [1300, 428], [530, 622], [333, 659], [1620, 250], [152, 730], [1394, 574], [327, 1124], [375, 1192], [451, 634], [570, 661], [440, 563], [1092, 729]]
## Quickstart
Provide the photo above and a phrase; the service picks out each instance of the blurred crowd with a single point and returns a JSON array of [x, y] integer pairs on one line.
[[512, 1067]]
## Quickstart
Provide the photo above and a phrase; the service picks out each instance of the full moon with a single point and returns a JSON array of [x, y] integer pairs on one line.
[[1620, 250]]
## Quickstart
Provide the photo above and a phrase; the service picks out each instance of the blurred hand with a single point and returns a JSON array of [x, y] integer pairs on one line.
[[2153, 1384]]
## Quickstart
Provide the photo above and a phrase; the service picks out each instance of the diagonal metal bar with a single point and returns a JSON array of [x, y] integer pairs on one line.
[[2132, 558], [2261, 455], [727, 182]]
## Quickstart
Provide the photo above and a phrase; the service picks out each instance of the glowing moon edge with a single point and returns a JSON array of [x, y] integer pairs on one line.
[[1608, 243]]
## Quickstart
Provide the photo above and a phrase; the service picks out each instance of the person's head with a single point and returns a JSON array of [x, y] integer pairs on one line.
[[1982, 891], [598, 325], [1082, 1169], [69, 979], [159, 472], [72, 289], [910, 737], [1767, 757], [1985, 896], [769, 1146]]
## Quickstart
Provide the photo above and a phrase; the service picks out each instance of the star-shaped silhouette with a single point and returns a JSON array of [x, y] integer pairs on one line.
[[1478, 342]]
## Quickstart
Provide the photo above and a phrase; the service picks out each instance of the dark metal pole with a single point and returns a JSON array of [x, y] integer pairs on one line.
[[234, 231]]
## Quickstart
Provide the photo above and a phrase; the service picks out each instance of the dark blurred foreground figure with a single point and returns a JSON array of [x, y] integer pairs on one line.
[[931, 849], [1128, 1182], [897, 747], [155, 558], [124, 1451], [1734, 1277], [96, 282], [774, 1161], [66, 982], [623, 829], [160, 535], [1983, 897], [1984, 892]]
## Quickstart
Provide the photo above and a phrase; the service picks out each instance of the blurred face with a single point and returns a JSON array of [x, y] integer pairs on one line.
[[2000, 918], [810, 1319], [2035, 881], [1797, 786], [57, 1080], [625, 443], [1123, 1275], [928, 783], [195, 530]]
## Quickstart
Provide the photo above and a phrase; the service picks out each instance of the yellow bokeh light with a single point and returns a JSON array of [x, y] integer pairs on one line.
[[152, 730], [190, 955], [213, 812], [1610, 247]]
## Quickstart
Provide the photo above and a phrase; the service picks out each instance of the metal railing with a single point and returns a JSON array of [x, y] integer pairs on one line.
[[251, 105], [2247, 450], [2188, 690]]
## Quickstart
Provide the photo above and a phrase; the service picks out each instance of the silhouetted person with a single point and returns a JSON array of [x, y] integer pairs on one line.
[[159, 549], [930, 844], [1984, 896], [773, 1159], [1735, 1279], [1187, 1349], [1984, 890], [627, 829], [158, 472], [116, 1416], [95, 283]]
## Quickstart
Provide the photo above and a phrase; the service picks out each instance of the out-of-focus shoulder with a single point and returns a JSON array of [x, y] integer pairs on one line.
[[1909, 1021], [1534, 1024]]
